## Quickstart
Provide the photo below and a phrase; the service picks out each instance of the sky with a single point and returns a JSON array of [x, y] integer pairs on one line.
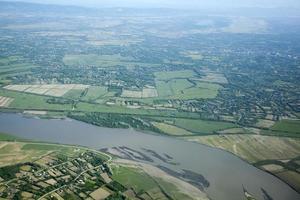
[[174, 3]]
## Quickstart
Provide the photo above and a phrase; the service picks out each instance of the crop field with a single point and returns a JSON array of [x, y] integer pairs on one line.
[[5, 101], [253, 148], [170, 129], [145, 93], [31, 101], [56, 90], [292, 126]]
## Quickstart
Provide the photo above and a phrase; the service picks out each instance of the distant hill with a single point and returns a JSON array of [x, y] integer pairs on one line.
[[24, 7]]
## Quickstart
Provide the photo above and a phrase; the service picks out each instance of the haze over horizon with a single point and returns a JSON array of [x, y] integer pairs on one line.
[[194, 4]]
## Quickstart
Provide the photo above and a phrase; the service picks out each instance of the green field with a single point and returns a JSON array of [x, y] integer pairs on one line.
[[184, 89], [73, 94], [7, 137], [102, 61], [170, 129], [185, 126], [95, 92], [13, 66], [291, 126], [174, 74], [136, 179], [31, 101], [201, 126]]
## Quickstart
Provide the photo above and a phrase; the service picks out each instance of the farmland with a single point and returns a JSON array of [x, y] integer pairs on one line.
[[5, 101], [48, 90], [229, 82], [13, 66], [95, 92], [183, 89]]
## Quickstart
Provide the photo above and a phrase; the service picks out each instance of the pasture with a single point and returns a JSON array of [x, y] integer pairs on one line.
[[184, 89], [95, 92], [291, 126]]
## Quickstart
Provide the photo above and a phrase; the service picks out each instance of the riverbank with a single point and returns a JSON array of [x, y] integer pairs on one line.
[[214, 165]]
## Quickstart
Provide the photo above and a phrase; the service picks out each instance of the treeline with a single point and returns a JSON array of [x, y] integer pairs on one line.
[[114, 121]]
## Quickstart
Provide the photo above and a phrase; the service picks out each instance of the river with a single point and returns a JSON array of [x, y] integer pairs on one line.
[[226, 173]]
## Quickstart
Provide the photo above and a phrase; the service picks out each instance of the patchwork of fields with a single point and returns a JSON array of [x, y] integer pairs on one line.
[[56, 90], [182, 127], [183, 85], [14, 66]]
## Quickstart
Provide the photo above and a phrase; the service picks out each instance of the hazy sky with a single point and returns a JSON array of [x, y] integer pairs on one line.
[[175, 3]]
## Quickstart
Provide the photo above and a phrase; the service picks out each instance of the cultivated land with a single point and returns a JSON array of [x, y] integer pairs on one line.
[[56, 90], [5, 101], [43, 171]]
